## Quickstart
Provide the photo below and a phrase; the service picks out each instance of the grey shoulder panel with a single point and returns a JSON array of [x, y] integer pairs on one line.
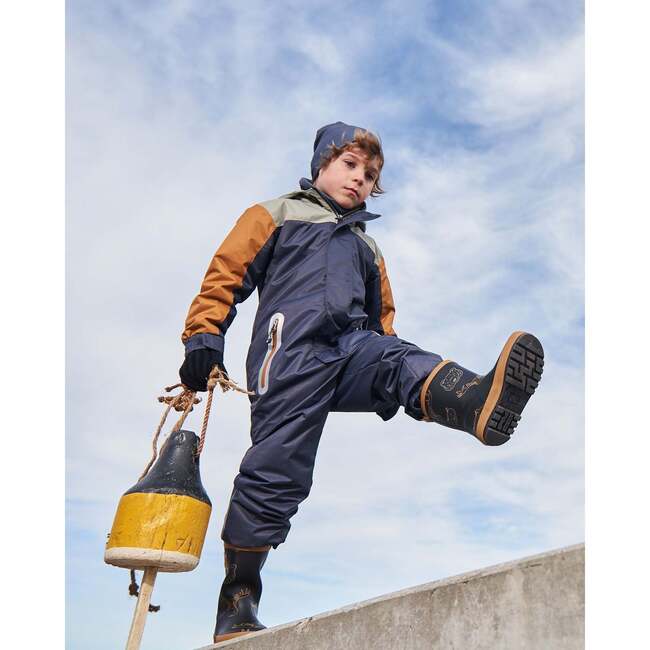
[[370, 242], [297, 206]]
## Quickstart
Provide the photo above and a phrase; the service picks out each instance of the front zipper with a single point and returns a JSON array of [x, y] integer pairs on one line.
[[273, 342]]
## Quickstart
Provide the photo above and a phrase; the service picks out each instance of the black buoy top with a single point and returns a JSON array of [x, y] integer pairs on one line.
[[176, 471]]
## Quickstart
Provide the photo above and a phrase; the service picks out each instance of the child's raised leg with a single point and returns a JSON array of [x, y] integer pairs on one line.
[[490, 406], [385, 372]]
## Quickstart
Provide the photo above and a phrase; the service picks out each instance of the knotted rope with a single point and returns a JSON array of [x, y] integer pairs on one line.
[[184, 402], [217, 376]]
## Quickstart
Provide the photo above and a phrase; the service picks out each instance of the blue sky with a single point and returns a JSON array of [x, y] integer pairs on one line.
[[182, 114]]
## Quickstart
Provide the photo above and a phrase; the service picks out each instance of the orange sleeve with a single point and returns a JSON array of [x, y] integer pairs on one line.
[[232, 274], [387, 303]]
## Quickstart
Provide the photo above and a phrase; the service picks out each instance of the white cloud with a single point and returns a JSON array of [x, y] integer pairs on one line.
[[517, 90]]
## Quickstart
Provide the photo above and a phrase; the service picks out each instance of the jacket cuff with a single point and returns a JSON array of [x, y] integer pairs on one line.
[[203, 341]]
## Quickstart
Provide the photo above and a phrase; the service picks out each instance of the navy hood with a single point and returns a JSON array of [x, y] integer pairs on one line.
[[338, 133]]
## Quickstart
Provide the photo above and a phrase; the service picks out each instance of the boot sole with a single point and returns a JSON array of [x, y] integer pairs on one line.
[[231, 635], [518, 372]]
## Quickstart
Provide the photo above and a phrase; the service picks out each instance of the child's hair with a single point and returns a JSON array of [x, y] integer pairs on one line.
[[369, 144]]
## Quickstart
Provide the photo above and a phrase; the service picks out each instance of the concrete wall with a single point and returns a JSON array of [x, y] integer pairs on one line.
[[536, 603]]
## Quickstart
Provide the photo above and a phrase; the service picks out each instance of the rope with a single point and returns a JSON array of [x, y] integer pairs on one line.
[[134, 590], [181, 402], [217, 376], [184, 402]]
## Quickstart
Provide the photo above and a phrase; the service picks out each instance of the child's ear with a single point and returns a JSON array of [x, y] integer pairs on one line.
[[320, 169]]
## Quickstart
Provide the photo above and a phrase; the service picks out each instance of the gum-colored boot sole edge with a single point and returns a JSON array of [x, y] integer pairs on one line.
[[230, 635], [517, 374]]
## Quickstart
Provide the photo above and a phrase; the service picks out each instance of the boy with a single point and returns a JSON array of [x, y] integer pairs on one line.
[[323, 340]]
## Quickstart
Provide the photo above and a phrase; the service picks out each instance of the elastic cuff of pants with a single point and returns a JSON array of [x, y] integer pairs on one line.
[[252, 549], [425, 387]]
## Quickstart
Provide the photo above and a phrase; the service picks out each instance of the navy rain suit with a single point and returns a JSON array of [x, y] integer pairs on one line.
[[322, 341]]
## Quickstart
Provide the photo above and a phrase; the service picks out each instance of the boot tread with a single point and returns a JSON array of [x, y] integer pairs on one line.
[[524, 368]]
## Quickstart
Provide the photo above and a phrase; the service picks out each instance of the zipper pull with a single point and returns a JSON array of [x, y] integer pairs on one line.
[[272, 331]]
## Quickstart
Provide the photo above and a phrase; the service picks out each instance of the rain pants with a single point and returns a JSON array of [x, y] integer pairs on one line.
[[322, 341]]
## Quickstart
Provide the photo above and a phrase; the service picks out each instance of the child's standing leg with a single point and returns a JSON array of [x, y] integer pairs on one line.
[[275, 477], [240, 592]]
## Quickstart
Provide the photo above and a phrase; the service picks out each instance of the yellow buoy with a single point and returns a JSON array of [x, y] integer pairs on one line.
[[162, 520]]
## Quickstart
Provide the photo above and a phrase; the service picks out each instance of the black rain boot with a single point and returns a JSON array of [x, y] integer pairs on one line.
[[489, 407], [240, 592]]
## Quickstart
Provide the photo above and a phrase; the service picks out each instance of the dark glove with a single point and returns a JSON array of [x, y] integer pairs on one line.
[[197, 366]]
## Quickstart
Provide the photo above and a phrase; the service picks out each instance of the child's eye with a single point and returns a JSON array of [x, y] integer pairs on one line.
[[349, 163]]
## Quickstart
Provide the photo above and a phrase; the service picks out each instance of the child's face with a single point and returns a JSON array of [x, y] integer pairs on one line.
[[348, 179]]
